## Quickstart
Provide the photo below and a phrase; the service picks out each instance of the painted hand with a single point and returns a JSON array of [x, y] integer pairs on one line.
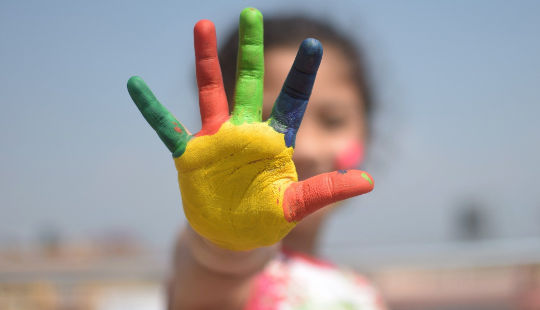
[[237, 178]]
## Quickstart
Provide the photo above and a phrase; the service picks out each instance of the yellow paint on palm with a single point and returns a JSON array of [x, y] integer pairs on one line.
[[233, 182]]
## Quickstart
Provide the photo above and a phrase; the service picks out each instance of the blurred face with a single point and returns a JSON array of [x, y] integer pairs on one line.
[[333, 124]]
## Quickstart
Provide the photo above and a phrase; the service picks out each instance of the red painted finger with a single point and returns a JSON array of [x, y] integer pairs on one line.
[[212, 98], [306, 197]]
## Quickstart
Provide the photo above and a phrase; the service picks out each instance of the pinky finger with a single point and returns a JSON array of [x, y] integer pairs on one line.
[[168, 128], [305, 197]]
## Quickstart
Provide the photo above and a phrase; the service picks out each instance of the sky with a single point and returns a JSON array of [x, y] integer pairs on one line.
[[457, 93]]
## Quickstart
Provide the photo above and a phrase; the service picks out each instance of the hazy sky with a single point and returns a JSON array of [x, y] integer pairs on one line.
[[458, 83]]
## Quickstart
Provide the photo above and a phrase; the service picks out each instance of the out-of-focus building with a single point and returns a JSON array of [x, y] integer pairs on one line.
[[115, 274], [481, 275], [118, 274]]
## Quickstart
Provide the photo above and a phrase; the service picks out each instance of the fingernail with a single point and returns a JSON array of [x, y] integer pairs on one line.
[[367, 178]]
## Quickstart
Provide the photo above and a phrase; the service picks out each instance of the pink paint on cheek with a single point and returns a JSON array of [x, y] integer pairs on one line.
[[351, 157]]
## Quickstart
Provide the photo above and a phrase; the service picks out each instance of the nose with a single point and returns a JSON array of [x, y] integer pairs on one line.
[[309, 152]]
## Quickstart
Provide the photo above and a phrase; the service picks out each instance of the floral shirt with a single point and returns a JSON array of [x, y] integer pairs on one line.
[[296, 281]]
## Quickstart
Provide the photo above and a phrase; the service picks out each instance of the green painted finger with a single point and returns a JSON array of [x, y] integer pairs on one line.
[[248, 97], [168, 128]]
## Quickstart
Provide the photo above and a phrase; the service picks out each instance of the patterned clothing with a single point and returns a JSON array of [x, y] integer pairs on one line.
[[296, 281]]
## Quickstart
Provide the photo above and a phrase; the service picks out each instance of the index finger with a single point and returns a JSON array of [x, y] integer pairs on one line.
[[292, 101]]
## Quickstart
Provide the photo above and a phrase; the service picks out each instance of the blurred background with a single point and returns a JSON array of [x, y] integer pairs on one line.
[[89, 203]]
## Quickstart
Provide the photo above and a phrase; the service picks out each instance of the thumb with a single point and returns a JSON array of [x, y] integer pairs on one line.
[[305, 197]]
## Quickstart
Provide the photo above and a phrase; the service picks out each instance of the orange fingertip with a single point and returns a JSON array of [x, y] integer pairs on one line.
[[350, 183], [363, 180], [303, 198]]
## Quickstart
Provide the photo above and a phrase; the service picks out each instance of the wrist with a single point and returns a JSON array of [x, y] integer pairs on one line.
[[224, 261]]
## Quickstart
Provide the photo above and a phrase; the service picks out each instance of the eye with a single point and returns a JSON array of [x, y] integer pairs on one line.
[[332, 121]]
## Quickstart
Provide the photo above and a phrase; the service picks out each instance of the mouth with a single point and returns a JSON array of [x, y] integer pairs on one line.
[[304, 174]]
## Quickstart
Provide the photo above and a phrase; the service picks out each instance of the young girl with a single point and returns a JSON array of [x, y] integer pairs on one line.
[[251, 240]]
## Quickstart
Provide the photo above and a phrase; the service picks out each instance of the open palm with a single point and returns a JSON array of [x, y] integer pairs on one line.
[[237, 178]]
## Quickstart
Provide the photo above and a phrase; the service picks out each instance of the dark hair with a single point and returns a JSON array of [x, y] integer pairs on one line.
[[290, 31]]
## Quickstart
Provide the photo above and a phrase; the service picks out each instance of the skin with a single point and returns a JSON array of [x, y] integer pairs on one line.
[[237, 175], [207, 281], [334, 119], [237, 178]]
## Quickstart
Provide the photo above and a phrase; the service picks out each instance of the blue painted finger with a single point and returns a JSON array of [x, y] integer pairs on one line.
[[291, 103]]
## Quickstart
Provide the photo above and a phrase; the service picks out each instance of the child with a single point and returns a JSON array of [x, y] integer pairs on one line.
[[236, 253]]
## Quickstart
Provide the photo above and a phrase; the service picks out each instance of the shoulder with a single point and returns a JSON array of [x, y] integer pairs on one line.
[[297, 281]]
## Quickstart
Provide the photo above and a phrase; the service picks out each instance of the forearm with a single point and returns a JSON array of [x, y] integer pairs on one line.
[[208, 277]]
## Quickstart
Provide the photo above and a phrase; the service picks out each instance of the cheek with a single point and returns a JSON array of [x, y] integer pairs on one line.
[[347, 153], [350, 156], [329, 150]]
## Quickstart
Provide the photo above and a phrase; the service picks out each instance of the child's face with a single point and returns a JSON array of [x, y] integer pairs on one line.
[[334, 119]]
